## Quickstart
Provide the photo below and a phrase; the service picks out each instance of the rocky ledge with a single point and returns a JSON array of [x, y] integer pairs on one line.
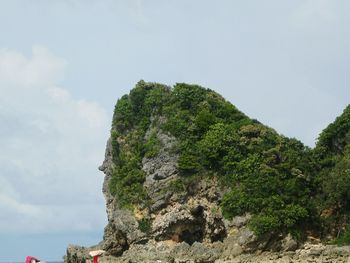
[[219, 252]]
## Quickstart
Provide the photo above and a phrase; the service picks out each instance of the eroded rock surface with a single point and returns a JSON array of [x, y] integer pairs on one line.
[[219, 252], [186, 225]]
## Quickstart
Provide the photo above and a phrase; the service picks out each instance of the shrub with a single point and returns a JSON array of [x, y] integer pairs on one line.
[[344, 238], [145, 225], [235, 203], [152, 146], [262, 224]]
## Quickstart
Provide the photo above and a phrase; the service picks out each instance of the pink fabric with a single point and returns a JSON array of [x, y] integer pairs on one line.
[[29, 258]]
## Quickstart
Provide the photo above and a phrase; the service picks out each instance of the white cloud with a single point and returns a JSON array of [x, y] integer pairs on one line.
[[51, 146], [40, 70]]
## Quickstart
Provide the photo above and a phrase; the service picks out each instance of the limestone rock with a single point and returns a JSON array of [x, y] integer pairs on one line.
[[76, 254], [289, 243], [186, 225]]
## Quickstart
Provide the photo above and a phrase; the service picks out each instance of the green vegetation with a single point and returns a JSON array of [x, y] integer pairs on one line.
[[334, 139], [332, 155], [131, 120], [344, 238], [286, 186], [145, 225], [184, 184], [152, 146], [266, 172]]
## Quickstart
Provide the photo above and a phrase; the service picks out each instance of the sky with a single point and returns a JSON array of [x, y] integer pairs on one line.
[[64, 64]]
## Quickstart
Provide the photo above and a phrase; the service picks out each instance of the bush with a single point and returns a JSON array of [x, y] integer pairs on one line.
[[152, 146], [177, 186], [337, 135], [336, 186], [235, 203], [262, 224], [145, 225], [115, 146], [344, 238], [123, 117], [188, 162], [269, 185]]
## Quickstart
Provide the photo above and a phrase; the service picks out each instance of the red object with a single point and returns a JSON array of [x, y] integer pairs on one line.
[[95, 259], [29, 258]]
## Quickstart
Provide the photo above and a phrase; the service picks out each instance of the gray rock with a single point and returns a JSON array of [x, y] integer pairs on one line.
[[231, 249], [246, 237], [160, 170], [240, 221], [289, 243], [76, 254], [114, 240], [107, 168]]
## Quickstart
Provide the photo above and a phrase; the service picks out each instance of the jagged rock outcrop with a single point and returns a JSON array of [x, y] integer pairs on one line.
[[189, 220], [168, 171], [219, 252], [79, 254], [178, 216]]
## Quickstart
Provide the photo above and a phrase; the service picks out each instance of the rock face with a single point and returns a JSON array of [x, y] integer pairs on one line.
[[78, 254], [175, 215], [188, 219], [186, 225], [181, 220]]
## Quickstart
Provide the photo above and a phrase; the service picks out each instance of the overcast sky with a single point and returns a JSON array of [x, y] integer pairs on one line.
[[64, 63]]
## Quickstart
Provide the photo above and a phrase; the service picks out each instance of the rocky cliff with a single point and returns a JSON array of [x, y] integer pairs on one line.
[[189, 178]]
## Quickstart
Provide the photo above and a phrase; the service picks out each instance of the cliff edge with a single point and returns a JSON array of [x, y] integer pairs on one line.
[[190, 178]]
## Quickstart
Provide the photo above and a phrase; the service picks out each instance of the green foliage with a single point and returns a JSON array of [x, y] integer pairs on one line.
[[183, 185], [336, 136], [177, 122], [188, 162], [219, 140], [115, 146], [137, 107], [344, 238], [188, 97], [123, 115], [145, 225], [130, 122], [152, 146], [235, 202], [332, 158], [262, 224], [177, 186], [126, 184], [203, 120], [276, 221], [191, 110], [265, 171], [269, 184], [335, 185]]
